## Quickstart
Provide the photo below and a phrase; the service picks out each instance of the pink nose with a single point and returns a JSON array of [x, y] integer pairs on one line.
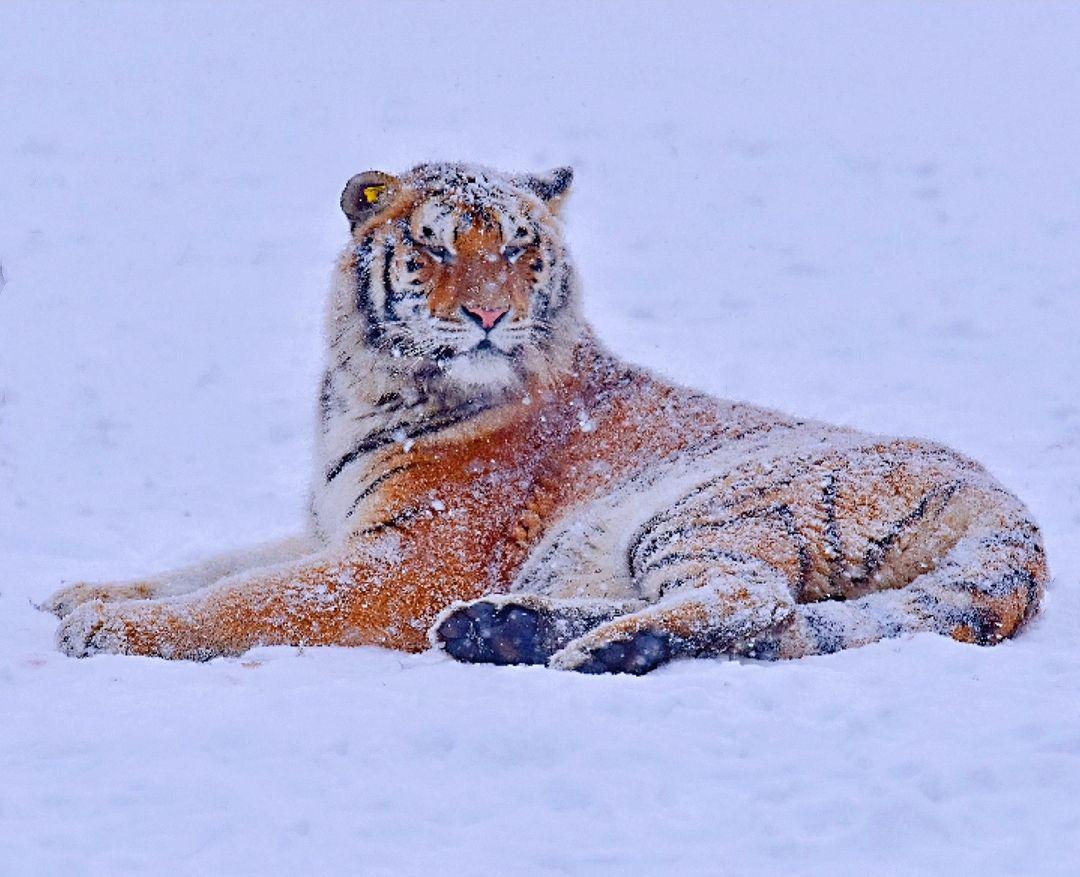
[[486, 317]]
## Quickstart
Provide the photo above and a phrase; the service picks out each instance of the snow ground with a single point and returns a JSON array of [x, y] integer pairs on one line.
[[863, 212]]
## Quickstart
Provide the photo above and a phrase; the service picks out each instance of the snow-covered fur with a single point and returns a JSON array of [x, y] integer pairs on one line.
[[489, 479]]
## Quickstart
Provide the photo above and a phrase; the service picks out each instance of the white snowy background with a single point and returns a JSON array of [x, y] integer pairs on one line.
[[863, 212]]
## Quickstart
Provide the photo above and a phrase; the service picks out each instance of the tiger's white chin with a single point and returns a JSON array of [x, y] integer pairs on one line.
[[487, 370]]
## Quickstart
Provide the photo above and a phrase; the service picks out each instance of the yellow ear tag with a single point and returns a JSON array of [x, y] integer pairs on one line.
[[373, 193]]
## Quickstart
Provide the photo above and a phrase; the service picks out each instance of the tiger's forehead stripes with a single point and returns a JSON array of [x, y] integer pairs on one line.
[[442, 214], [448, 218]]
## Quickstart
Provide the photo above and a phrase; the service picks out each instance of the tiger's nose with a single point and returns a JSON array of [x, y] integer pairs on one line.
[[486, 317]]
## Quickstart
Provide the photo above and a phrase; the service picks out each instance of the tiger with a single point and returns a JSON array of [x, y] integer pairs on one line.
[[493, 482]]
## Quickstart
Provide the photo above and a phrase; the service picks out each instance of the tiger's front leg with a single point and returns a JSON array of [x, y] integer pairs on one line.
[[435, 526], [726, 605], [354, 598]]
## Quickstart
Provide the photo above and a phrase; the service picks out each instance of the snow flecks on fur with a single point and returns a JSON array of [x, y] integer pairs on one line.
[[631, 521]]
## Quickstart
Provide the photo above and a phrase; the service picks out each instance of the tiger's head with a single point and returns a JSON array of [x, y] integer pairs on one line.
[[459, 275]]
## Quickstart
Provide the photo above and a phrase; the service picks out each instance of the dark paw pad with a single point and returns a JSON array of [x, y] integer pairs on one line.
[[639, 654], [485, 634]]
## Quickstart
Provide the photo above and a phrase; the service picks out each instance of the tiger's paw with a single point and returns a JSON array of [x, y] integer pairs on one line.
[[637, 653], [495, 630], [66, 600], [91, 629]]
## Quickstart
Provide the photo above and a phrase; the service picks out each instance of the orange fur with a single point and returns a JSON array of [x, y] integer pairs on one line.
[[456, 513]]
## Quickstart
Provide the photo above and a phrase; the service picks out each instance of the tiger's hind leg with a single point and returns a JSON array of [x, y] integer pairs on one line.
[[975, 573], [985, 588], [519, 628]]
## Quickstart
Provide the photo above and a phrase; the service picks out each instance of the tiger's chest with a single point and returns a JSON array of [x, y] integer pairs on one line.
[[466, 472]]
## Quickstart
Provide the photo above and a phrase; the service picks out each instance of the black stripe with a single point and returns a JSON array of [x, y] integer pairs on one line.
[[927, 601], [801, 543], [382, 437], [324, 396], [649, 542], [364, 303], [644, 532], [1033, 594], [833, 539], [699, 555], [1015, 581], [548, 308], [662, 540], [1024, 537], [541, 305], [388, 409], [669, 585], [749, 491], [403, 227], [827, 638], [389, 296], [985, 623], [878, 550], [888, 628], [374, 485], [392, 523]]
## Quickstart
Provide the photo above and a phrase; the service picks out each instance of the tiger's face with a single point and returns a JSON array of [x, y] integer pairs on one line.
[[461, 272]]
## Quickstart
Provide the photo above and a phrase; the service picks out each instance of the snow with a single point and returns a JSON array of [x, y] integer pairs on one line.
[[863, 213]]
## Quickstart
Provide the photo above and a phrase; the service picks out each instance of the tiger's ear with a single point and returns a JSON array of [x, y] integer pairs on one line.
[[365, 195], [552, 187]]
